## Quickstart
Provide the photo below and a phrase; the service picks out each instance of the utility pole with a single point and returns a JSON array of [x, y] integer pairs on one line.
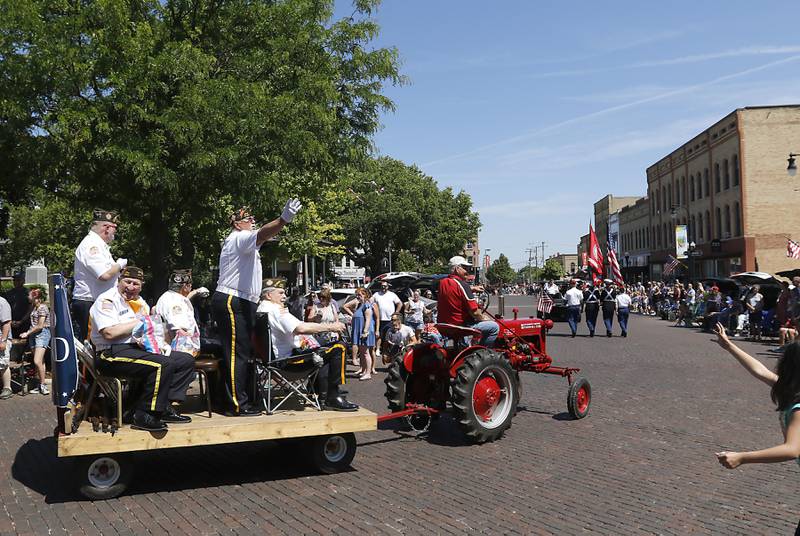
[[543, 261], [528, 274]]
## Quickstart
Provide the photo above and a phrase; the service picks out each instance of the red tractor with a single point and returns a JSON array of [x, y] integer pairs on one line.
[[482, 384]]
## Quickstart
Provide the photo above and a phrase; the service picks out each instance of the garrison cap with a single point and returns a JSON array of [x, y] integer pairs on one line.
[[105, 216], [133, 272], [273, 283], [240, 214], [181, 276]]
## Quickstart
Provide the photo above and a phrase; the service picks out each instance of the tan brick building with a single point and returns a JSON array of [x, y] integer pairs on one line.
[[634, 239], [729, 185], [568, 261], [602, 210]]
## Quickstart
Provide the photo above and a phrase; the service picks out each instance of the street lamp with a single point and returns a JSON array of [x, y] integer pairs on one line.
[[791, 169]]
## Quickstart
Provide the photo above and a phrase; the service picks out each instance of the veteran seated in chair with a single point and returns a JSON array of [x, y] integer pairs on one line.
[[114, 317], [287, 333]]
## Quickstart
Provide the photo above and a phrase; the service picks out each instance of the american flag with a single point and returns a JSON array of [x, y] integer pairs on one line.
[[671, 265], [545, 304], [792, 249], [616, 274]]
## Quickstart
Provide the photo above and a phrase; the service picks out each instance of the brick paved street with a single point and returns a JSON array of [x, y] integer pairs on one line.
[[665, 400]]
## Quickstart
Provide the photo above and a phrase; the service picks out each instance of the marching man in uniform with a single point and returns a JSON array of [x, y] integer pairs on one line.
[[165, 378], [95, 270], [176, 308], [591, 304], [609, 304], [234, 303], [573, 298]]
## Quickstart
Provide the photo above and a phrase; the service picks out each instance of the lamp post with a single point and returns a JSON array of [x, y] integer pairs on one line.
[[791, 169], [485, 268]]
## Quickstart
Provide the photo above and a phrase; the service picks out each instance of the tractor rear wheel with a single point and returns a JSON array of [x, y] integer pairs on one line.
[[403, 388], [485, 395], [579, 398]]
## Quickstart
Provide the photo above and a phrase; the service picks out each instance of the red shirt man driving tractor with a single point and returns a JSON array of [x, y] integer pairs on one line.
[[457, 305]]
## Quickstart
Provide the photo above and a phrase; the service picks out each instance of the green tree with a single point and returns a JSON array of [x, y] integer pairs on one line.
[[396, 206], [529, 273], [552, 270], [500, 272], [175, 111]]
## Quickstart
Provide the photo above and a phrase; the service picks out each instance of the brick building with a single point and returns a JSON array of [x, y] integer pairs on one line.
[[603, 209], [634, 239], [729, 185], [568, 261]]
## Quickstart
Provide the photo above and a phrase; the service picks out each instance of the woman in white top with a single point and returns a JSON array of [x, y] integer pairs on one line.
[[325, 312], [413, 310]]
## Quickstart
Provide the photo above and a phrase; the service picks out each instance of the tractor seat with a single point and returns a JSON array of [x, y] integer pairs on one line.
[[454, 332]]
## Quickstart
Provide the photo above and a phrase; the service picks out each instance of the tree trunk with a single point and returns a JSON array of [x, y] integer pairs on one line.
[[155, 229]]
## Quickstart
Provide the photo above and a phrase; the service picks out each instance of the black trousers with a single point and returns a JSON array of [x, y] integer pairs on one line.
[[331, 374], [608, 314], [80, 316], [591, 309], [235, 318], [164, 378]]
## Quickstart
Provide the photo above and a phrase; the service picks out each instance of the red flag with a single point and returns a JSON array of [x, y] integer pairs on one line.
[[596, 261]]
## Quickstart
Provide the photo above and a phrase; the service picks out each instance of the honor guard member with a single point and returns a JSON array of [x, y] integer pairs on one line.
[[165, 379], [234, 303], [608, 299], [591, 305], [286, 330], [95, 270], [175, 307], [573, 298]]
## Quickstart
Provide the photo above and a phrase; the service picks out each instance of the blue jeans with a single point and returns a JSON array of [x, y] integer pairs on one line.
[[622, 318], [573, 315], [489, 329]]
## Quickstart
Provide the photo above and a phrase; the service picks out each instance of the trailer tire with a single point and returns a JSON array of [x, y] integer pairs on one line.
[[332, 453], [579, 398], [103, 477], [485, 395]]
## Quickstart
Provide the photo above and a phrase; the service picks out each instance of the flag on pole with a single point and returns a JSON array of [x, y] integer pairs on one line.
[[616, 274], [671, 265], [545, 304], [595, 258], [792, 249]]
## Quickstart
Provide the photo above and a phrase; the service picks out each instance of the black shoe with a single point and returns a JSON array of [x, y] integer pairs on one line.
[[245, 411], [340, 403], [624, 333], [573, 335], [170, 415], [608, 334], [148, 422], [591, 333]]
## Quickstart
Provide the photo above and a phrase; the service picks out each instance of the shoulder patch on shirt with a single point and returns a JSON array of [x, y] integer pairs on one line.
[[177, 309], [94, 250], [107, 305]]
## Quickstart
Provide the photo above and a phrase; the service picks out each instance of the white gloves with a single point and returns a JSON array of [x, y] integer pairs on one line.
[[290, 209], [202, 292], [122, 263]]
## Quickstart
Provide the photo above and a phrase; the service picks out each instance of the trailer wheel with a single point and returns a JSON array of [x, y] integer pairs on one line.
[[103, 477], [333, 453], [485, 395], [579, 398]]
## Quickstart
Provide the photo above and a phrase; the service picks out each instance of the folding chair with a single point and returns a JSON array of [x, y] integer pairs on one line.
[[293, 376], [109, 386]]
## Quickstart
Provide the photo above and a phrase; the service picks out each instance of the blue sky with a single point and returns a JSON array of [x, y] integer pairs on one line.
[[537, 109]]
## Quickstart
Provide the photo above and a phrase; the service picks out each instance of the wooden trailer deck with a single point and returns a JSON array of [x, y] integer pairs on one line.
[[216, 430]]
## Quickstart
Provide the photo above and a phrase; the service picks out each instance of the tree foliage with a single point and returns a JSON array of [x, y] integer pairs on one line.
[[500, 271], [175, 111], [396, 205], [552, 270]]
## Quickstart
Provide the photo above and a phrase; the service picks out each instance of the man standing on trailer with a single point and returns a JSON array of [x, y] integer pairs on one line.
[[95, 270], [234, 303]]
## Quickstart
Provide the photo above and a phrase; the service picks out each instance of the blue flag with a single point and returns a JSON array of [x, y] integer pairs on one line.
[[65, 361]]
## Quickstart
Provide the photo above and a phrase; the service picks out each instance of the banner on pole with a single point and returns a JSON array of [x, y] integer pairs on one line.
[[681, 242]]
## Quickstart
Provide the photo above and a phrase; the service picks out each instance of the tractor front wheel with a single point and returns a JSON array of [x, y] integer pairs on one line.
[[485, 395], [579, 398]]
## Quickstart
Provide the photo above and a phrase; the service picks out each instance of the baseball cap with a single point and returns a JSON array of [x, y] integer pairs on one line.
[[458, 260]]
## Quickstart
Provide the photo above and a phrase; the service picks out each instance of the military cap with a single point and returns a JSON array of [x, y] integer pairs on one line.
[[181, 276], [273, 283], [133, 272], [105, 216], [240, 214]]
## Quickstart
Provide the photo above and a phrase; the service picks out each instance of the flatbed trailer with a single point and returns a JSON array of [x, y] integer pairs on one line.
[[104, 466]]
